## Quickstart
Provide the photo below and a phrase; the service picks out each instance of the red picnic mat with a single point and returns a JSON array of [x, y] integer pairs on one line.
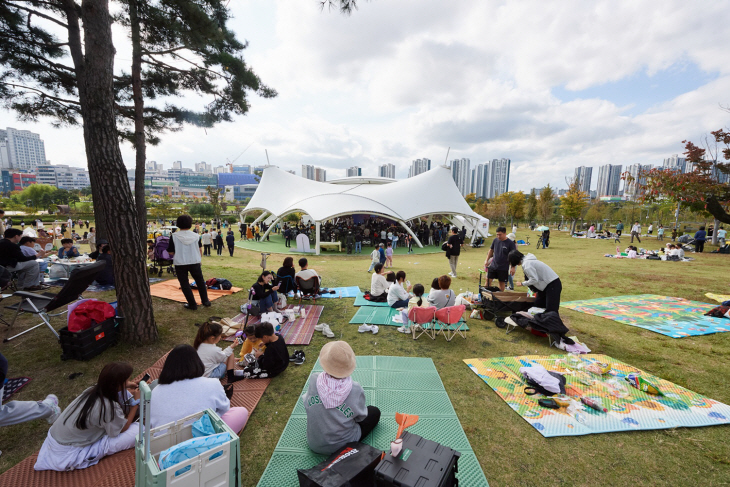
[[170, 289], [297, 332]]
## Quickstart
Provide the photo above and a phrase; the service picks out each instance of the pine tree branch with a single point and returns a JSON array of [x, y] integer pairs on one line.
[[39, 14], [160, 53], [43, 94]]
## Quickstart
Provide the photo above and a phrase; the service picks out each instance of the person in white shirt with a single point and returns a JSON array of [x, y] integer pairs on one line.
[[374, 258], [398, 294], [721, 236], [219, 363], [306, 273], [379, 285], [182, 390], [206, 240], [186, 252], [27, 246], [636, 232]]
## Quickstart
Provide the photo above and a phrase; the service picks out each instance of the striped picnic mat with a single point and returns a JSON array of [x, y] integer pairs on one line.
[[297, 332]]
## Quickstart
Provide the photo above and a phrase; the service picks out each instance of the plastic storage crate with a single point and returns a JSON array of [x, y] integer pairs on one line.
[[217, 467], [86, 344], [421, 463]]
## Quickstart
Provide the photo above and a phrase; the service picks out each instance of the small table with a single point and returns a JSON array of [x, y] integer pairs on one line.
[[324, 245]]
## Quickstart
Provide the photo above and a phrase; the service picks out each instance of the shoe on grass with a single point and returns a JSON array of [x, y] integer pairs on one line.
[[319, 326], [327, 331], [364, 328], [374, 329], [299, 357], [404, 329]]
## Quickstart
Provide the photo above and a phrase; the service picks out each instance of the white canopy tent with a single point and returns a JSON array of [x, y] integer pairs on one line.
[[432, 193]]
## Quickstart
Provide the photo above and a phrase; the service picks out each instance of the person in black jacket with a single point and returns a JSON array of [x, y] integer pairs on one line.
[[454, 250], [104, 277], [230, 241], [13, 259], [285, 276], [265, 293], [219, 244], [274, 360]]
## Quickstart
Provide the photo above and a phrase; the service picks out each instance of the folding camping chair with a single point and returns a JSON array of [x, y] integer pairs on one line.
[[43, 304], [448, 317], [420, 320], [308, 288]]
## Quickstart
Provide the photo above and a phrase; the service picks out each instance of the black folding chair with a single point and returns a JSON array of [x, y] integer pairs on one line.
[[308, 288], [43, 304]]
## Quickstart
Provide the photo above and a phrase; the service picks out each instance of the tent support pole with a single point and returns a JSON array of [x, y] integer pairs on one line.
[[268, 230], [317, 226], [261, 217], [410, 232]]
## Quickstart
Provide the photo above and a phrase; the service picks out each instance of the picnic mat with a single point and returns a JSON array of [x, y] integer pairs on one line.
[[170, 289], [361, 301], [297, 332], [720, 298], [12, 386], [673, 317], [635, 411], [390, 383], [343, 292], [118, 469], [384, 316]]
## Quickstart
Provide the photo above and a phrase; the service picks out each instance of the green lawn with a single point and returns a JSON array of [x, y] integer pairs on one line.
[[510, 451]]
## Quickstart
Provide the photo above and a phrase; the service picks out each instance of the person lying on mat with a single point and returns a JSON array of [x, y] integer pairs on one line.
[[337, 412], [378, 284], [182, 390], [67, 249], [540, 278], [265, 292], [271, 362], [443, 297], [398, 294], [219, 363], [96, 424]]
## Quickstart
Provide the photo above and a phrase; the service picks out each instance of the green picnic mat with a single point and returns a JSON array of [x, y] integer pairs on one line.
[[361, 301], [390, 383], [384, 316]]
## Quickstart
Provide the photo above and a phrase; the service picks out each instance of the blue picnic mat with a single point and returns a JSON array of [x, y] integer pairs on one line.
[[343, 292]]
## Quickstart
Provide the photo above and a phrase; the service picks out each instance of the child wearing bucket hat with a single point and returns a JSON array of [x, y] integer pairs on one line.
[[335, 404]]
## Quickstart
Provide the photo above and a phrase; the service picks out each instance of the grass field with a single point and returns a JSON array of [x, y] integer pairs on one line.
[[509, 450]]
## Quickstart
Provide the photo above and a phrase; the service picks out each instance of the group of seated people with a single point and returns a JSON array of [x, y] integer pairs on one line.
[[285, 281]]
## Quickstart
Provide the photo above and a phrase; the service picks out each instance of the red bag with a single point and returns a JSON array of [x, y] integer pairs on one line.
[[89, 313]]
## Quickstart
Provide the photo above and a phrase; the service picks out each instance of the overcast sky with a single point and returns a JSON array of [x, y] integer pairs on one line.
[[550, 85]]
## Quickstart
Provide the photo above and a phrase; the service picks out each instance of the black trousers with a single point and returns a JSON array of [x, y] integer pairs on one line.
[[700, 246], [550, 297], [230, 250], [196, 272], [370, 422], [220, 249], [206, 249], [287, 242]]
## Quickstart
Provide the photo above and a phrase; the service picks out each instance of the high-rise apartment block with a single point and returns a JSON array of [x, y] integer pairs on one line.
[[313, 173], [203, 168], [676, 163], [609, 179], [633, 187], [480, 181], [21, 150], [419, 166], [461, 173], [498, 177], [386, 171], [354, 171], [583, 176]]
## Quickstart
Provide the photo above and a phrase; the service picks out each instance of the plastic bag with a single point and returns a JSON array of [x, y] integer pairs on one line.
[[203, 427], [191, 449], [88, 313]]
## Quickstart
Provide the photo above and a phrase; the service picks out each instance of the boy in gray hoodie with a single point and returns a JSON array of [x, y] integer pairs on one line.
[[540, 278]]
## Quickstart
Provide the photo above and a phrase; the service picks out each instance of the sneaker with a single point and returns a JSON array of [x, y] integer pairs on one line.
[[403, 329], [293, 356], [52, 402], [327, 331], [364, 328], [374, 329], [319, 326], [299, 359]]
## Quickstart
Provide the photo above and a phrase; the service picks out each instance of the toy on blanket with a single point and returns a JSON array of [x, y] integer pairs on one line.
[[643, 385]]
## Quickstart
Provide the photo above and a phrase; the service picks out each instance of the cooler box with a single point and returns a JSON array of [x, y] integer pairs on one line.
[[421, 463], [85, 344], [217, 467]]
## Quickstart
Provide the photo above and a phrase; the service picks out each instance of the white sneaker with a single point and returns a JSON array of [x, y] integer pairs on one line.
[[326, 331], [451, 274], [52, 402], [404, 329], [319, 326], [364, 328], [374, 329]]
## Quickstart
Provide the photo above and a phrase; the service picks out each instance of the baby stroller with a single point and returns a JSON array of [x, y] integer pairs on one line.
[[160, 257]]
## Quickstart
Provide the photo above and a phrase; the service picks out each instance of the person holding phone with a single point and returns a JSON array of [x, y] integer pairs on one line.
[[265, 293]]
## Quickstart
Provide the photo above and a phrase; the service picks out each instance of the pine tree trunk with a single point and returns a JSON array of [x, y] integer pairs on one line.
[[94, 69], [140, 144]]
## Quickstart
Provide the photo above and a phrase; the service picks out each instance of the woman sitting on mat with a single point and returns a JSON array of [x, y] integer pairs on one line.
[[398, 294], [540, 278], [271, 362], [182, 390], [265, 292], [219, 363], [379, 285], [96, 424], [285, 276], [444, 296], [336, 408]]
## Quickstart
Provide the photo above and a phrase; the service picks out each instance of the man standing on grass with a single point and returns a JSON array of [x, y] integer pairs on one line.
[[454, 250], [497, 262], [636, 232]]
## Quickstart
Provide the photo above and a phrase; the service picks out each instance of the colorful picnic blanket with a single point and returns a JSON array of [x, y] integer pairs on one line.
[[673, 317], [342, 292], [720, 298], [628, 408]]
